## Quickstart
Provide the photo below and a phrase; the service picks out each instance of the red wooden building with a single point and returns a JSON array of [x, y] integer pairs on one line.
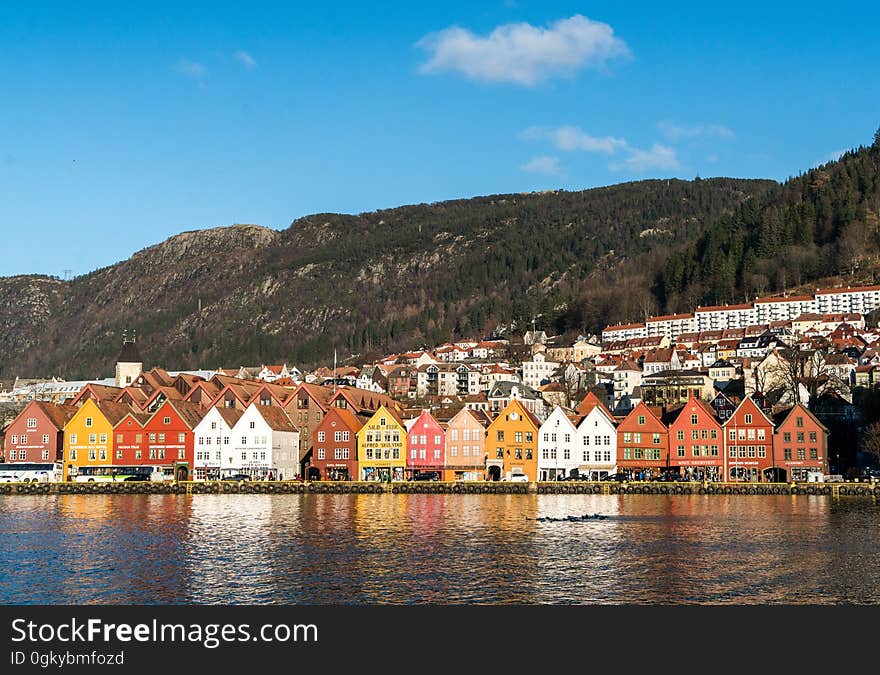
[[170, 438], [800, 443], [334, 453], [696, 441], [425, 446], [37, 434], [748, 443], [643, 443], [130, 447]]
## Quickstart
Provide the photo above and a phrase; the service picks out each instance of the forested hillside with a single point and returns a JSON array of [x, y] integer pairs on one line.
[[377, 281], [824, 224]]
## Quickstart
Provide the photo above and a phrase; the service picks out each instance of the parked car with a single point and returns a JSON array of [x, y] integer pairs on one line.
[[669, 477], [619, 477], [136, 477], [427, 475], [238, 476], [517, 478]]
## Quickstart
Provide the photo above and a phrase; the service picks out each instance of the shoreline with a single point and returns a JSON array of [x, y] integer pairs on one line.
[[351, 487]]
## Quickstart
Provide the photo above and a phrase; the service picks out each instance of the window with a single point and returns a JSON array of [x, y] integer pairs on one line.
[[732, 434], [453, 435], [694, 420], [762, 451], [812, 437], [213, 425], [92, 455], [627, 453], [243, 456], [252, 425], [680, 434], [437, 454], [680, 451], [166, 420], [119, 454], [801, 453], [244, 440], [437, 440], [181, 438], [786, 436], [499, 453], [529, 437], [93, 438], [346, 436], [382, 421], [627, 437], [695, 434], [748, 418], [500, 436], [800, 436], [424, 439], [226, 440], [641, 419], [761, 433], [586, 455], [45, 455], [46, 438], [337, 436], [103, 438], [637, 437], [566, 453], [89, 421], [528, 453], [713, 434], [161, 437], [337, 453], [656, 439], [369, 453], [814, 453], [152, 453], [751, 451], [517, 437], [553, 453], [606, 456], [731, 452], [799, 422], [413, 453], [396, 453], [138, 438]]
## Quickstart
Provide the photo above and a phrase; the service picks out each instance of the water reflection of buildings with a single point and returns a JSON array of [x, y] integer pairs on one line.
[[120, 549]]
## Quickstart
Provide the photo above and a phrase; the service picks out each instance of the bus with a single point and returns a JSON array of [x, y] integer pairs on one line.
[[110, 474], [31, 472]]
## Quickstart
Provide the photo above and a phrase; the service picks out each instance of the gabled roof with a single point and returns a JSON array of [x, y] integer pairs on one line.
[[782, 416], [275, 417], [140, 417], [229, 415], [113, 411], [190, 413], [58, 414]]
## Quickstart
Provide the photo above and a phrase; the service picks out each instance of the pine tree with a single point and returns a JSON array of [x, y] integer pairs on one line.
[[877, 138]]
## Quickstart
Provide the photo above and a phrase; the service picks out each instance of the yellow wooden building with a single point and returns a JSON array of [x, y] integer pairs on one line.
[[382, 447], [512, 443], [88, 436]]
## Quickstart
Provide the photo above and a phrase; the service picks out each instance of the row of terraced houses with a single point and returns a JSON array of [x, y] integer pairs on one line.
[[196, 428]]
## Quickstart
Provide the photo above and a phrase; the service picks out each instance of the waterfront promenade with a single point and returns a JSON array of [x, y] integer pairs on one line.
[[488, 487]]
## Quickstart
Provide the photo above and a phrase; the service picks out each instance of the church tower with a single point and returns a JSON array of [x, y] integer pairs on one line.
[[129, 364]]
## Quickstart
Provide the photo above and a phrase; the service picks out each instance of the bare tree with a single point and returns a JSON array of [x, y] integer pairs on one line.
[[871, 440], [809, 369]]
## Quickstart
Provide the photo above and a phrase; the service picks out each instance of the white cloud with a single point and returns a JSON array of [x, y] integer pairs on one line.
[[640, 161], [245, 59], [570, 138], [522, 53], [191, 69], [543, 164], [677, 132]]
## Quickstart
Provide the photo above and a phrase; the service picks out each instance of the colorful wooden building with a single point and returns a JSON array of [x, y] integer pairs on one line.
[[170, 437], [88, 436], [512, 443], [643, 443], [425, 446], [466, 445], [748, 442], [381, 446], [335, 450], [800, 443], [37, 433], [696, 441]]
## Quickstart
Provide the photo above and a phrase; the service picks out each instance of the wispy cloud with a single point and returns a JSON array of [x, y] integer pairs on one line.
[[625, 156], [245, 59], [640, 161], [678, 132], [192, 69], [543, 164], [572, 138], [522, 53]]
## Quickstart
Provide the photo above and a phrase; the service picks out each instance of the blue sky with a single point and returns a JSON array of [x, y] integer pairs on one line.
[[123, 126]]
